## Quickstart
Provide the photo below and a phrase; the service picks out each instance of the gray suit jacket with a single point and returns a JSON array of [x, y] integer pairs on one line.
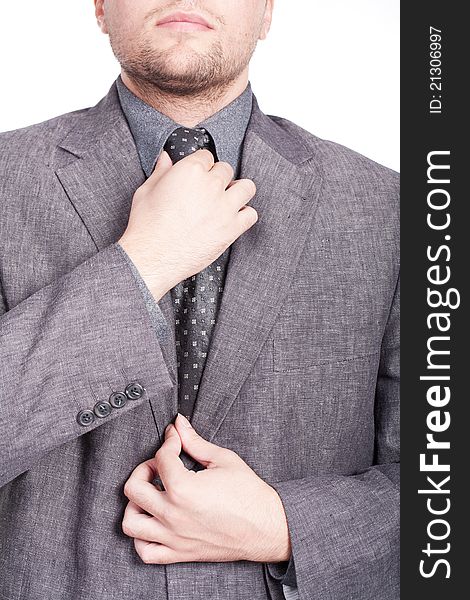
[[301, 379]]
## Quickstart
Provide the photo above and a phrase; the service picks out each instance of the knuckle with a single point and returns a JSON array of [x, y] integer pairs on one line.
[[250, 215], [127, 527], [201, 157], [146, 556], [129, 488], [195, 164], [220, 178], [248, 186], [228, 167], [139, 531]]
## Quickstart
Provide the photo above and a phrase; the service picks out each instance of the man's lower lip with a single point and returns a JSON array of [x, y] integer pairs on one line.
[[184, 26]]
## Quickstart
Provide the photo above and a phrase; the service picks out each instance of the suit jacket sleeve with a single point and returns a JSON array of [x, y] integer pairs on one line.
[[345, 529], [68, 346]]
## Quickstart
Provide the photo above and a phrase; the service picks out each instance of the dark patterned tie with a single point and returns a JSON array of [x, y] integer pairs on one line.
[[196, 300], [184, 141]]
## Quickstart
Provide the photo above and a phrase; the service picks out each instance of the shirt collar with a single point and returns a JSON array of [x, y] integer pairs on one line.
[[151, 128]]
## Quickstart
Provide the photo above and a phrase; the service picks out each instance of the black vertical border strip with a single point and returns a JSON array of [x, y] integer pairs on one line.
[[421, 133]]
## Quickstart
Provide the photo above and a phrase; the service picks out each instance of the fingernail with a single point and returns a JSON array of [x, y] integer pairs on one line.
[[184, 420], [168, 427]]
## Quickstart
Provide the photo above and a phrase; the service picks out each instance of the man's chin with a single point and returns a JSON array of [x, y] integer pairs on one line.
[[181, 63]]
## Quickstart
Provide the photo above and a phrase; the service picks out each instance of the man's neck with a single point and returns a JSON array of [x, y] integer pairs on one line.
[[190, 110]]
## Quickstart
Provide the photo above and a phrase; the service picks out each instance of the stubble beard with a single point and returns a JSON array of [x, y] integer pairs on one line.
[[154, 71]]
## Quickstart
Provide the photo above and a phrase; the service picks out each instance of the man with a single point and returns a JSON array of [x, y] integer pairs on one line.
[[175, 250]]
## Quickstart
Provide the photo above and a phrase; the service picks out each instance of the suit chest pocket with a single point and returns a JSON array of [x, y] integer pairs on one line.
[[301, 343]]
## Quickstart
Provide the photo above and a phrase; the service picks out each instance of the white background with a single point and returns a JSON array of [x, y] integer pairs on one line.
[[331, 66]]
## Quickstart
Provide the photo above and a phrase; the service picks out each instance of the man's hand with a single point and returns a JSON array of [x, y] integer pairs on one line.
[[222, 513], [184, 216]]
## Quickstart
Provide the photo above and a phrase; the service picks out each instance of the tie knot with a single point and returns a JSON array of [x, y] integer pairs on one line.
[[186, 140]]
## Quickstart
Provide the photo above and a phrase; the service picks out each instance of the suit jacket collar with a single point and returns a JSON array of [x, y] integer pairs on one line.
[[151, 128], [100, 174], [106, 122]]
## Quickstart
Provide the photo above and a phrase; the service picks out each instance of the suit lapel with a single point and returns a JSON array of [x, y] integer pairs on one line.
[[262, 263], [100, 172]]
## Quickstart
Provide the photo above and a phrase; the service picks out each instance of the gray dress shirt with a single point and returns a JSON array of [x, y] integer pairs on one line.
[[150, 129]]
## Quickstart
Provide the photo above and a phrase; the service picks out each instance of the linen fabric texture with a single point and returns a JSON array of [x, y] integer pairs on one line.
[[301, 380]]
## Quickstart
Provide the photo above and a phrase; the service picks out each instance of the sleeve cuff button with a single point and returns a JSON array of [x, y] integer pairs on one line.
[[85, 417], [102, 409], [134, 391], [118, 399]]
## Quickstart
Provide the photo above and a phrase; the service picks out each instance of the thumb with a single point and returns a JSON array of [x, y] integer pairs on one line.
[[167, 462], [205, 452], [172, 439], [162, 165]]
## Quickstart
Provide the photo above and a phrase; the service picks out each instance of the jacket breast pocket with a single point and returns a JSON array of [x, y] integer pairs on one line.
[[293, 353]]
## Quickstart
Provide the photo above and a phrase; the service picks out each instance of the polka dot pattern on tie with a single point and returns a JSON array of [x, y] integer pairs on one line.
[[196, 300], [184, 141]]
